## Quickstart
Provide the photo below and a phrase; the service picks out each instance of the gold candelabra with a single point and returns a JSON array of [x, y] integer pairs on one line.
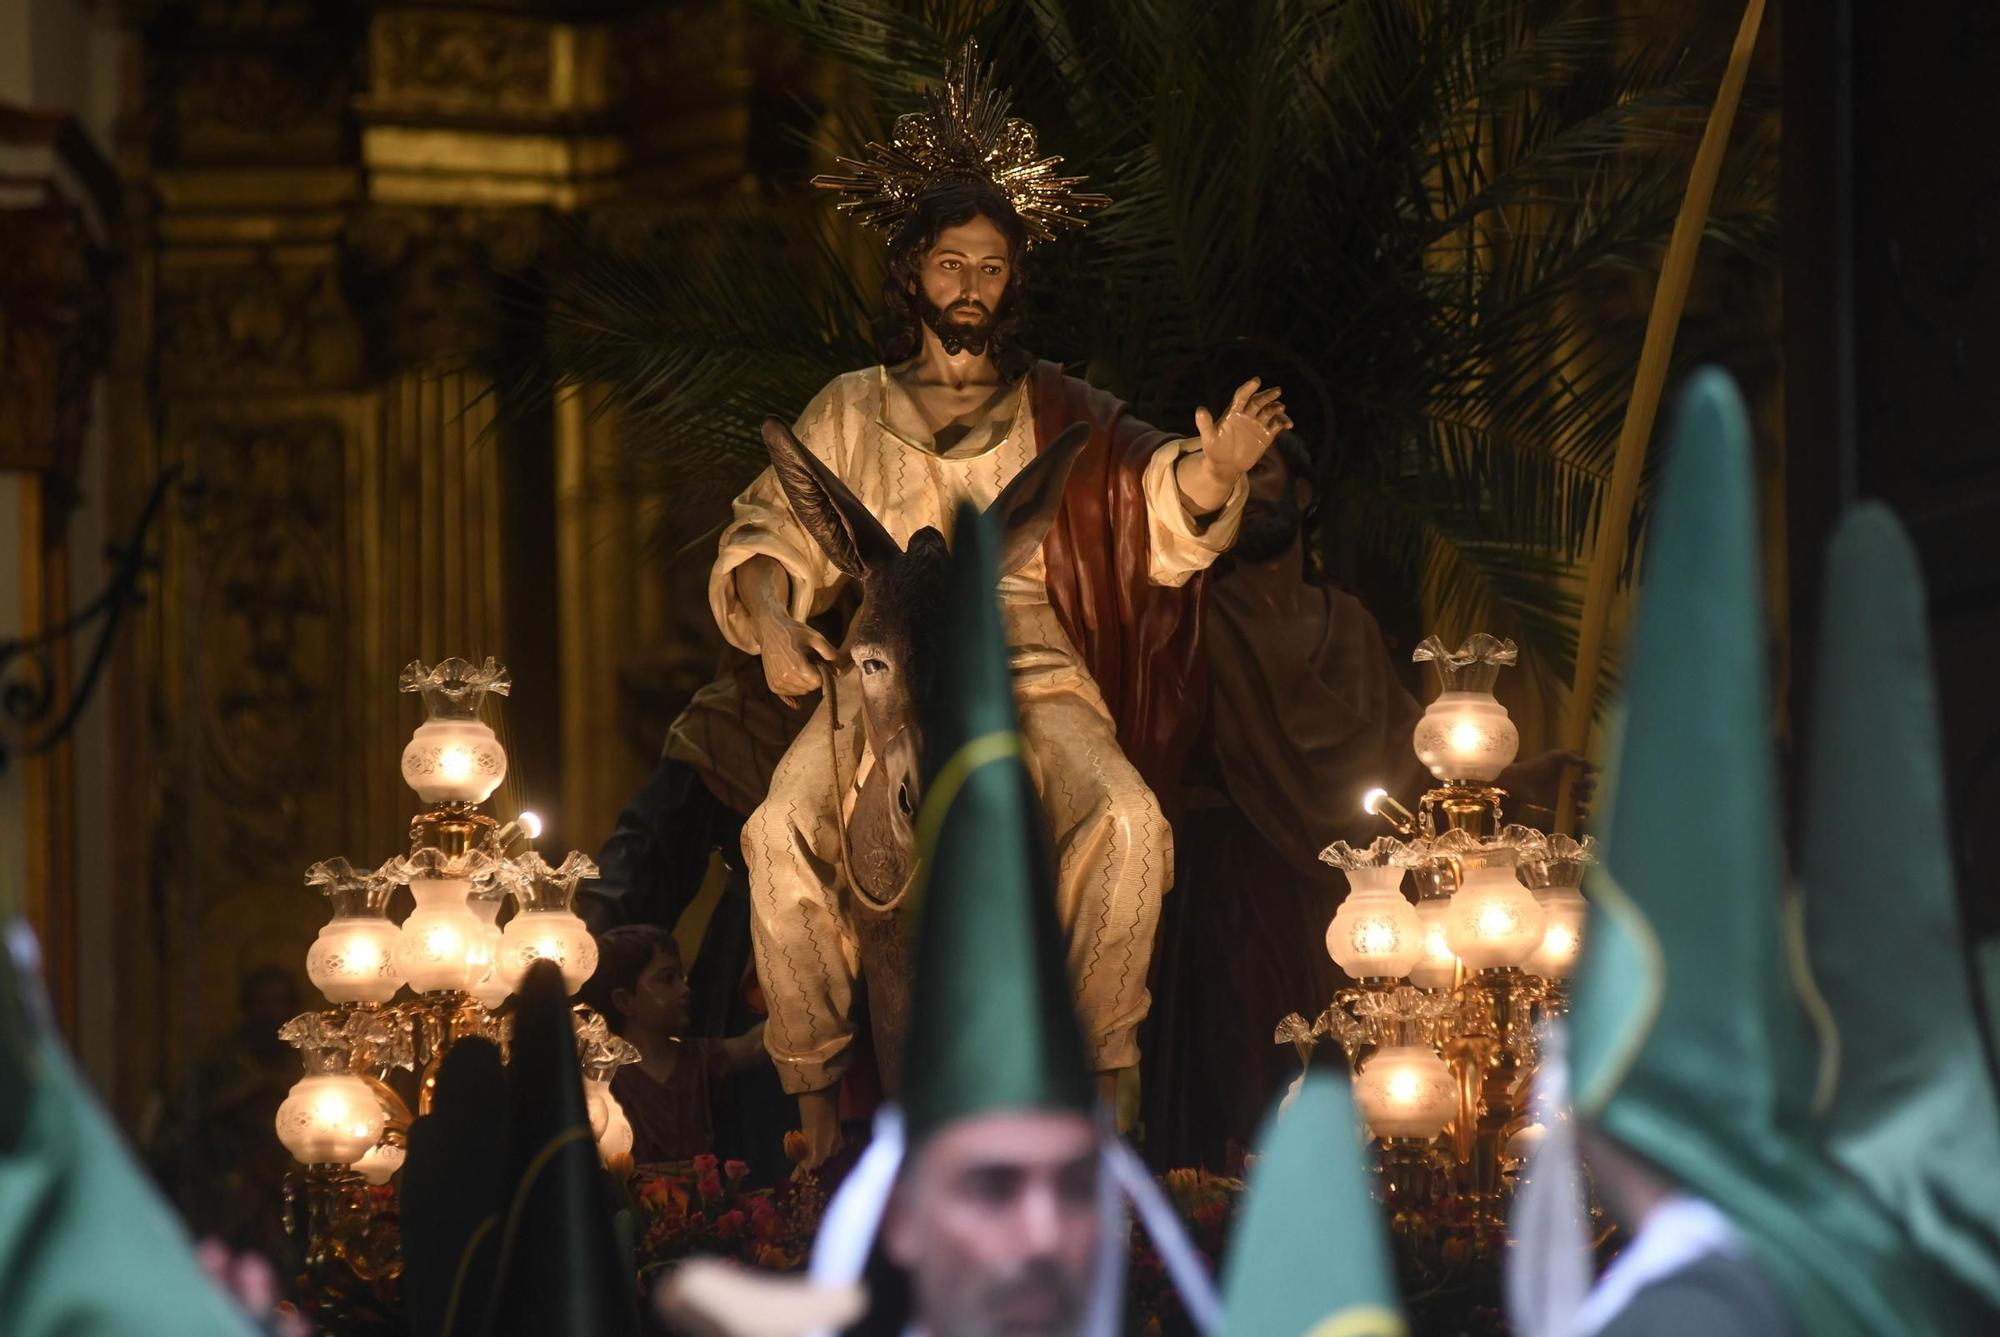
[[402, 994], [1459, 933]]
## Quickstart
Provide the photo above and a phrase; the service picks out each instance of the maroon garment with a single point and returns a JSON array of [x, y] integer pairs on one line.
[[673, 1120], [1140, 641]]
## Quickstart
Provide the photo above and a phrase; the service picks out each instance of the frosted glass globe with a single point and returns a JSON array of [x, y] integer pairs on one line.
[[1437, 967], [547, 935], [1494, 920], [454, 761], [381, 1162], [492, 988], [1564, 910], [330, 1119], [1375, 934], [608, 1122], [1406, 1091], [353, 960], [442, 945], [1466, 736]]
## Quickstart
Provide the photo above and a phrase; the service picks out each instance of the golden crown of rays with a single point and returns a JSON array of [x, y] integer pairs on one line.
[[964, 135]]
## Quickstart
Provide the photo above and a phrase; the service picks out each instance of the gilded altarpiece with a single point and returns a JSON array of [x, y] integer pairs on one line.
[[327, 197]]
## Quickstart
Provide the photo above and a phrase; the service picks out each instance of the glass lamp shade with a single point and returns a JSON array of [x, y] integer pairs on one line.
[[547, 935], [547, 929], [1437, 968], [1466, 736], [1563, 910], [1525, 1139], [608, 1122], [453, 757], [330, 1118], [442, 945], [491, 989], [1375, 934], [353, 960], [1494, 920], [454, 761], [1406, 1091], [381, 1162]]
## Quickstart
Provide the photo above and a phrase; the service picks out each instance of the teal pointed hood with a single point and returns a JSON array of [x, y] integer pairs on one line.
[[1912, 1113], [1696, 1038]]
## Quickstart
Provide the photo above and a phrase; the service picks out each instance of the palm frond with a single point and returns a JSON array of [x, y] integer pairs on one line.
[[1412, 215]]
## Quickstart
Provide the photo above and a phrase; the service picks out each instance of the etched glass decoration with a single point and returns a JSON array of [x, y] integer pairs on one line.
[[353, 958], [443, 946], [454, 757], [1465, 735], [330, 1116], [547, 927]]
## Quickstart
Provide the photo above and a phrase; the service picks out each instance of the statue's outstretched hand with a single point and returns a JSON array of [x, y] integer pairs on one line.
[[1245, 431]]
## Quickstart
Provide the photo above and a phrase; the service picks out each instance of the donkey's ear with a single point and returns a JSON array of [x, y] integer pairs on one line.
[[1027, 506], [847, 531]]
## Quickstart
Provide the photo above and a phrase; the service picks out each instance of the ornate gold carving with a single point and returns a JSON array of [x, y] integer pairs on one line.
[[52, 340], [264, 102], [255, 323], [463, 63], [262, 579]]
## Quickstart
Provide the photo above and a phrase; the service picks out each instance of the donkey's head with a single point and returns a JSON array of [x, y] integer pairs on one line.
[[903, 590]]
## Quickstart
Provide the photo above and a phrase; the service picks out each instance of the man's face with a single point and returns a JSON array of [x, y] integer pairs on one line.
[[963, 279], [996, 1221]]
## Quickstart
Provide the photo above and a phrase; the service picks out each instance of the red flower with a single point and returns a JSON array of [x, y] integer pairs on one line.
[[730, 1225], [1210, 1215], [734, 1170]]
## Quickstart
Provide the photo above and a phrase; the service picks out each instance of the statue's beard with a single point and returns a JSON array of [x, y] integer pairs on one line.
[[960, 336], [1268, 529]]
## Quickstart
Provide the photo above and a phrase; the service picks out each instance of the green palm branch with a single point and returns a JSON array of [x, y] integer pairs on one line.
[[1407, 214]]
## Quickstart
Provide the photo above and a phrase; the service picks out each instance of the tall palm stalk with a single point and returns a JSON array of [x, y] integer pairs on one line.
[[1409, 214]]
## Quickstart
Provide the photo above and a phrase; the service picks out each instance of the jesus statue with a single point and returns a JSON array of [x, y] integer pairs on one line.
[[1102, 623]]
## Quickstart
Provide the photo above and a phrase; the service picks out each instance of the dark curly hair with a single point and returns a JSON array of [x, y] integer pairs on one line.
[[935, 210], [623, 953]]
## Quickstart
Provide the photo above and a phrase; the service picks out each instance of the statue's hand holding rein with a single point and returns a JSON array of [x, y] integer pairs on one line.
[[793, 653]]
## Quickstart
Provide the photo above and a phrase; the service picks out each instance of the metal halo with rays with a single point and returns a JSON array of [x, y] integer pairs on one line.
[[964, 135]]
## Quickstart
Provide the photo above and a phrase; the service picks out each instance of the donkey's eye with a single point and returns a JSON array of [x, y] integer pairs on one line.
[[873, 666]]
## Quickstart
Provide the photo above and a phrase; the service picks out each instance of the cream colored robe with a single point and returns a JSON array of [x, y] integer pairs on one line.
[[1114, 847]]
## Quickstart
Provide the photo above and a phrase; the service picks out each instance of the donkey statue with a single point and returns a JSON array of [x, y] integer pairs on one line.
[[902, 590]]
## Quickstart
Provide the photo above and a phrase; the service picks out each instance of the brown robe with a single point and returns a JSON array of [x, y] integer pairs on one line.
[[1296, 732]]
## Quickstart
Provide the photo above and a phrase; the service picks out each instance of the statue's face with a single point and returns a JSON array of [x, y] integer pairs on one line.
[[965, 274], [1272, 514], [997, 1223]]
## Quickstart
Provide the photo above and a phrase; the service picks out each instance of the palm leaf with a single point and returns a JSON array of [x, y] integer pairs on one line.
[[1411, 215]]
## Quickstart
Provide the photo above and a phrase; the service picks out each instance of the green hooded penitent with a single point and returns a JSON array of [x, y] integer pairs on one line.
[[1309, 1255], [1693, 1041], [1913, 1114], [86, 1244], [992, 1021]]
